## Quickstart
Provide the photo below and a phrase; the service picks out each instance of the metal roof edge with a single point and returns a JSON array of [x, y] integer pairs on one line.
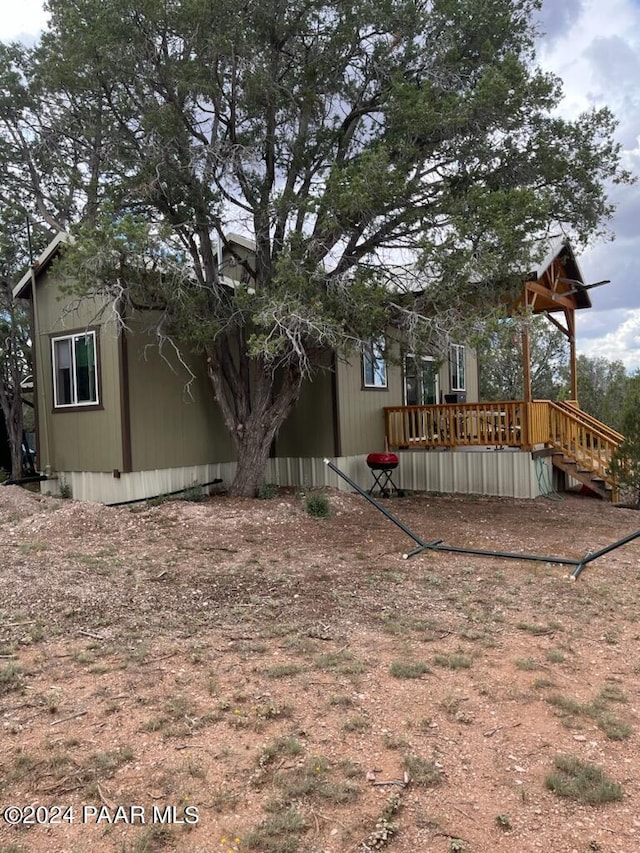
[[41, 262]]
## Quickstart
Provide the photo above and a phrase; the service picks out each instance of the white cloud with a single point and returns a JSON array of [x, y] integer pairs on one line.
[[594, 47], [22, 21], [620, 344]]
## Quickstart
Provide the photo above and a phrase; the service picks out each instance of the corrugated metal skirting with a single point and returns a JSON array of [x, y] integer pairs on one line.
[[491, 472], [508, 474]]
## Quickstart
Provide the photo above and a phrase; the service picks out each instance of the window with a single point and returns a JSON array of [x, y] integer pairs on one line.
[[456, 362], [374, 364], [75, 370], [421, 385]]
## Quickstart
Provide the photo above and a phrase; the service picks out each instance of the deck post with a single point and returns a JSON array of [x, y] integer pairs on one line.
[[571, 328], [526, 382]]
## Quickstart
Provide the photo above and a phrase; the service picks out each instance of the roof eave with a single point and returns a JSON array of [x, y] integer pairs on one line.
[[40, 264]]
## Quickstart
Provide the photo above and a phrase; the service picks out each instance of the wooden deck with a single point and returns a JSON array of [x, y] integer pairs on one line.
[[584, 445]]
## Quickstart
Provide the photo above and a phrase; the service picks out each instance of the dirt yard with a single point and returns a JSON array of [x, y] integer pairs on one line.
[[236, 675]]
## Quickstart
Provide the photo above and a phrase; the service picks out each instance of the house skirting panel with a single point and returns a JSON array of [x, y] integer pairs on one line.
[[501, 473], [491, 472], [138, 485]]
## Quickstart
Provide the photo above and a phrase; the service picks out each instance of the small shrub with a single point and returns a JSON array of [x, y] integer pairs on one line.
[[408, 669], [279, 833], [11, 678], [312, 781], [65, 489], [565, 704], [158, 500], [454, 661], [194, 494], [527, 664], [341, 701], [283, 670], [582, 781], [356, 724], [613, 727], [536, 630], [278, 748], [422, 771], [317, 505], [612, 693], [342, 662], [267, 491], [394, 741]]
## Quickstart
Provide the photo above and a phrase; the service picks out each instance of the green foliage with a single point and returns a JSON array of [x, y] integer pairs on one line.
[[268, 491], [626, 460], [422, 771], [603, 386], [194, 494], [317, 505], [65, 490], [278, 833], [15, 354], [500, 360]]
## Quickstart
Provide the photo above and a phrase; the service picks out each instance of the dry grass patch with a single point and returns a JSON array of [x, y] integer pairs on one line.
[[582, 781]]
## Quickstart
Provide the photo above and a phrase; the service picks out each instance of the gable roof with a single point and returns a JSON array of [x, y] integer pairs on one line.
[[572, 282], [566, 281], [41, 263]]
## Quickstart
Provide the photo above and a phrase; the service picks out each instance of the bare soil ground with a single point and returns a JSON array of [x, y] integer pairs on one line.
[[297, 685]]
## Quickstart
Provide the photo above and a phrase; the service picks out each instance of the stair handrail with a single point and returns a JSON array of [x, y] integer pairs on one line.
[[584, 452], [596, 424]]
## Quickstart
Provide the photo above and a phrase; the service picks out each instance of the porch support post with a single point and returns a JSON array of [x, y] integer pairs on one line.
[[571, 326], [526, 381]]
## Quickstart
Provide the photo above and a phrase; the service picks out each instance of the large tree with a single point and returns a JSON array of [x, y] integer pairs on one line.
[[334, 135], [626, 460], [603, 387]]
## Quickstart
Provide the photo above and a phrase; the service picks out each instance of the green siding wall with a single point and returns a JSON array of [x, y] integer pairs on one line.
[[75, 440], [361, 409], [173, 423], [309, 429]]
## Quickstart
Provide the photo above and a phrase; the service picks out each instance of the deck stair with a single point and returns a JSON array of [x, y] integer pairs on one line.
[[597, 484], [583, 447]]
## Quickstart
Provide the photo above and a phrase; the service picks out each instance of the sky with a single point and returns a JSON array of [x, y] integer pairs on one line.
[[594, 47]]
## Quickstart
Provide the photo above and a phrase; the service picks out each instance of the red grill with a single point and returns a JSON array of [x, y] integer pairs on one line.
[[381, 465], [382, 461]]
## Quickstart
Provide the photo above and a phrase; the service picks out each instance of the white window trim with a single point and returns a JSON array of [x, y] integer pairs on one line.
[[457, 357], [74, 376], [375, 348]]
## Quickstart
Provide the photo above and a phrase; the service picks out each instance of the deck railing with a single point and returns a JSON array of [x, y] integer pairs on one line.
[[561, 426], [455, 425]]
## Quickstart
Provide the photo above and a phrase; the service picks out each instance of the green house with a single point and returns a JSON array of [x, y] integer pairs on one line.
[[119, 420]]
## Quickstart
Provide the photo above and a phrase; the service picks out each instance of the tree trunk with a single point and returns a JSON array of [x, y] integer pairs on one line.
[[254, 409], [253, 455], [12, 411], [16, 457]]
